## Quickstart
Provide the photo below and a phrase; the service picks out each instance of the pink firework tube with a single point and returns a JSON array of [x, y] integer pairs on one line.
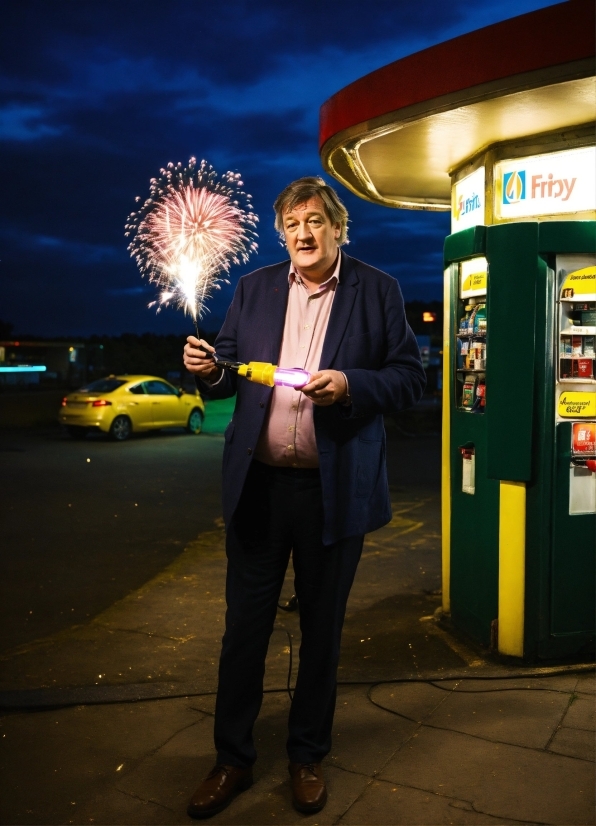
[[290, 377]]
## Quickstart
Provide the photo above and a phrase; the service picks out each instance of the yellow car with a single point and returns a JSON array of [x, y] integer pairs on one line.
[[121, 405]]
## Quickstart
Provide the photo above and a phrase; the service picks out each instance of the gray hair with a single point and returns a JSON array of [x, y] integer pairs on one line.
[[302, 190]]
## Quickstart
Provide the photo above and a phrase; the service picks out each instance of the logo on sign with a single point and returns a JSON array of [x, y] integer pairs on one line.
[[551, 187], [466, 205], [514, 187]]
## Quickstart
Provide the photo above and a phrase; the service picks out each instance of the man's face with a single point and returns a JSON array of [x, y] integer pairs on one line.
[[311, 238]]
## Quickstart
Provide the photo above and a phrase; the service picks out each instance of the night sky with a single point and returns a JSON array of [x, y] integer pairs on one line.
[[97, 95]]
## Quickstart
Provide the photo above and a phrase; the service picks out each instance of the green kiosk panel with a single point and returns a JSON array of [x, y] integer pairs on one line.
[[522, 379]]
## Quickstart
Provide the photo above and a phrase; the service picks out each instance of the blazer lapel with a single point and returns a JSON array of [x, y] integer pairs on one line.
[[343, 301], [273, 319]]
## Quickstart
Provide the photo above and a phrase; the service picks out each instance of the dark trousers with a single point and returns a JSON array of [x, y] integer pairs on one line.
[[281, 511]]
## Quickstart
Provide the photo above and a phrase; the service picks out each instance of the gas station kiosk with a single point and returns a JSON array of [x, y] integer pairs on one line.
[[498, 127]]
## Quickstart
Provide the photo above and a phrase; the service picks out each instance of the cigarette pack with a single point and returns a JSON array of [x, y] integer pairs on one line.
[[585, 368]]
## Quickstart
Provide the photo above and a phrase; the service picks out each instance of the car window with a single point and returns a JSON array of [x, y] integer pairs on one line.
[[102, 386], [159, 388], [138, 389]]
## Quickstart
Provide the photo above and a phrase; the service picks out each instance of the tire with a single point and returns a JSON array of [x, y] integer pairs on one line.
[[76, 432], [121, 429], [195, 421]]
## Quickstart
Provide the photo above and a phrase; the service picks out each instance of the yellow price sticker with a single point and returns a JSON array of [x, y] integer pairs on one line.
[[578, 404], [580, 284], [474, 281]]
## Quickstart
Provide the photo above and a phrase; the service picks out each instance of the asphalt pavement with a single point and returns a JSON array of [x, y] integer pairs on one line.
[[109, 720], [83, 523]]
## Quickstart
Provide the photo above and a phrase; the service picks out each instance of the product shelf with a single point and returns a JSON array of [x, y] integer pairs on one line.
[[576, 381], [579, 331]]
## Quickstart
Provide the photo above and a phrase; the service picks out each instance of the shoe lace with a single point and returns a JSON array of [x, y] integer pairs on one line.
[[311, 767]]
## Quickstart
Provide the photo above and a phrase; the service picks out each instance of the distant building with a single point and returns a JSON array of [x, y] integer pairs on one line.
[[46, 363]]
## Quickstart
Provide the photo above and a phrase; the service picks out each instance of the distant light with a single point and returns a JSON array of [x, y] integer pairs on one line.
[[426, 316], [25, 368]]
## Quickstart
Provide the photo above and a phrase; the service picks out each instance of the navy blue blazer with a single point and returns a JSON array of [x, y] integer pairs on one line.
[[369, 339]]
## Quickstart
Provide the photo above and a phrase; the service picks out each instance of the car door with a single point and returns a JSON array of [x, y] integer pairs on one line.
[[139, 407], [165, 403]]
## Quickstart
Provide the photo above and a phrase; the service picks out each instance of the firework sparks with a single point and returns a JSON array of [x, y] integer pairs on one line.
[[188, 233]]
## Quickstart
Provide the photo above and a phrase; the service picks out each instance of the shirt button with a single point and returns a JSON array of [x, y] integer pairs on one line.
[[290, 447], [249, 451], [261, 404]]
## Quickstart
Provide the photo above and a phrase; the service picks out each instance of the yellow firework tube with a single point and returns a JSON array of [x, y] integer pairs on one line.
[[259, 372]]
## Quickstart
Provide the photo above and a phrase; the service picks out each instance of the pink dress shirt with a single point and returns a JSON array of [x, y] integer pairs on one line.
[[288, 435]]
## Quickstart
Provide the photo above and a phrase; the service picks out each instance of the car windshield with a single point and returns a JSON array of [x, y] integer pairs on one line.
[[102, 386]]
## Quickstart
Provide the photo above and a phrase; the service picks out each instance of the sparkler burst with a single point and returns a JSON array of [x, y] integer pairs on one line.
[[188, 233]]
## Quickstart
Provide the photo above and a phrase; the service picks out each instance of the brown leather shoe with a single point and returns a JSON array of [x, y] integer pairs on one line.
[[309, 791], [218, 790]]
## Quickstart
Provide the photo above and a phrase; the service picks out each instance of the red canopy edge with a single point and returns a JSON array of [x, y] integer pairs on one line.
[[538, 40]]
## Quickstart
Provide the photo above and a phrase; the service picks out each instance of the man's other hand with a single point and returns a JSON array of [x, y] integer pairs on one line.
[[326, 387], [198, 362]]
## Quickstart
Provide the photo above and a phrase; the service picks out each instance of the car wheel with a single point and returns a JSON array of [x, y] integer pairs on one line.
[[121, 429], [76, 432], [195, 421]]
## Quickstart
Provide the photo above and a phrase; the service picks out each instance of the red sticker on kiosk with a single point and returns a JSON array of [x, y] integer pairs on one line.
[[583, 438]]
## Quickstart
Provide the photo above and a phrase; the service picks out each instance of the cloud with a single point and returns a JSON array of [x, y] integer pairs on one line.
[[22, 122], [411, 223], [283, 81], [95, 101], [80, 252]]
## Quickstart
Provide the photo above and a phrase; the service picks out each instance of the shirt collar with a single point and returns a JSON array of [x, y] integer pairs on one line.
[[294, 275]]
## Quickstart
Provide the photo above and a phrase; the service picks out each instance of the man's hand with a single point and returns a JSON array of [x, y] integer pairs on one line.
[[326, 387], [198, 362]]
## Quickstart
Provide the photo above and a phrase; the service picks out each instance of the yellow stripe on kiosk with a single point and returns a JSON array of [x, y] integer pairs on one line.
[[446, 449], [512, 568]]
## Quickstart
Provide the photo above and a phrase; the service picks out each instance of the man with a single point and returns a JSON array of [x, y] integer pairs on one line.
[[303, 473]]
